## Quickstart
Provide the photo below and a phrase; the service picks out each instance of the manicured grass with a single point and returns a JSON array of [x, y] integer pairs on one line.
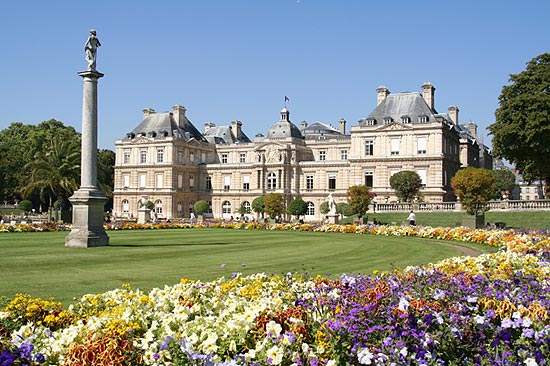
[[39, 264], [516, 219]]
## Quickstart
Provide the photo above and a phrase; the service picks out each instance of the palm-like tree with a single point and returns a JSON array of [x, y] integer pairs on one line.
[[55, 171]]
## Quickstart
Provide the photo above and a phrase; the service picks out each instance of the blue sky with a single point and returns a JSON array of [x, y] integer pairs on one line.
[[227, 60]]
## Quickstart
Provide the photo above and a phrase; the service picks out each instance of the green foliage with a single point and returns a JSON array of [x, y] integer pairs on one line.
[[201, 207], [324, 208], [25, 205], [297, 207], [521, 132], [344, 208], [55, 171], [359, 199], [505, 181], [474, 187], [258, 205], [274, 205], [243, 210], [406, 184]]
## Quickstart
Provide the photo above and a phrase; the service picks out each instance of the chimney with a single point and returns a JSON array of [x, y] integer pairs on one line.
[[382, 93], [178, 112], [342, 126], [428, 91], [236, 130], [303, 125], [147, 112], [472, 127], [208, 126], [453, 113]]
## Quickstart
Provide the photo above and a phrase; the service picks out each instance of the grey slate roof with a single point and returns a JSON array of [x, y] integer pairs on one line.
[[397, 105], [163, 125], [284, 128], [222, 135], [318, 129]]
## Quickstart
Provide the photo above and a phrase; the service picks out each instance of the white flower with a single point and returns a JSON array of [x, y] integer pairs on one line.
[[273, 328], [403, 352], [403, 304], [527, 322], [479, 319], [365, 356], [275, 354], [530, 362]]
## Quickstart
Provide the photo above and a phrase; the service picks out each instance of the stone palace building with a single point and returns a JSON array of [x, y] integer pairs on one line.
[[167, 160]]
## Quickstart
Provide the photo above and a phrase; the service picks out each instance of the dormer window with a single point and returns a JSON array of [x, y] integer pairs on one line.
[[423, 119], [371, 122], [405, 119], [387, 120]]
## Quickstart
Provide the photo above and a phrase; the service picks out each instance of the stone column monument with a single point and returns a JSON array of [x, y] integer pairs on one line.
[[88, 202]]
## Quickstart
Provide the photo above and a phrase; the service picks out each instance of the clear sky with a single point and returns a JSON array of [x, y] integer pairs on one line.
[[237, 59]]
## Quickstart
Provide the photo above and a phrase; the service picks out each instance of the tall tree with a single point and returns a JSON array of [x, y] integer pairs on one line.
[[55, 170], [505, 181], [297, 207], [258, 205], [406, 184], [274, 205], [474, 187], [359, 199], [521, 131], [106, 175]]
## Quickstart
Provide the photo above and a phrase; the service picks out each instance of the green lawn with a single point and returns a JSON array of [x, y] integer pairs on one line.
[[39, 264], [517, 219]]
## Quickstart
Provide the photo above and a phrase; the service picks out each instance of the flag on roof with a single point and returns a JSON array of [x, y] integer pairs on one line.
[[286, 99]]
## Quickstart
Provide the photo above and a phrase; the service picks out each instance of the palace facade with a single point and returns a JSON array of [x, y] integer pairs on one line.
[[167, 160]]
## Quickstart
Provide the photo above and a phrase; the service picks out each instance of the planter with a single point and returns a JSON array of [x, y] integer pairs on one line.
[[474, 221]]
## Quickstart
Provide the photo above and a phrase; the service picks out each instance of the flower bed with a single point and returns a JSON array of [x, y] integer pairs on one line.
[[491, 310]]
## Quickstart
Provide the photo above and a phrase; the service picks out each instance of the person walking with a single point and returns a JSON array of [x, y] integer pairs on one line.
[[412, 218]]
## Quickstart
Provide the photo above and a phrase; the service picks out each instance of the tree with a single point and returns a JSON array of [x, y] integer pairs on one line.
[[258, 205], [474, 187], [359, 199], [55, 171], [243, 210], [106, 174], [274, 205], [406, 184], [521, 131], [505, 181], [297, 207], [25, 205], [344, 209], [324, 208], [201, 207]]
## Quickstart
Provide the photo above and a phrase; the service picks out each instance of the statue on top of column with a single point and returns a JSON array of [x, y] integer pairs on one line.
[[91, 49]]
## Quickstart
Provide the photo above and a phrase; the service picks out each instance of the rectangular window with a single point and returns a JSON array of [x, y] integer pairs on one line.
[[143, 156], [160, 181], [394, 147], [369, 179], [208, 183], [242, 157], [246, 182], [343, 155], [309, 182], [191, 182], [423, 176], [203, 157], [369, 147], [160, 155], [142, 180], [422, 145], [126, 157], [126, 179], [192, 157], [180, 156], [180, 181], [224, 158], [322, 155], [331, 182], [227, 182]]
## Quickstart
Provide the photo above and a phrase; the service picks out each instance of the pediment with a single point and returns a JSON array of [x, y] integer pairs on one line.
[[394, 126], [141, 140]]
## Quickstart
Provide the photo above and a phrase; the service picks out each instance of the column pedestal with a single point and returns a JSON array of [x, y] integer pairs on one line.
[[88, 211], [332, 218]]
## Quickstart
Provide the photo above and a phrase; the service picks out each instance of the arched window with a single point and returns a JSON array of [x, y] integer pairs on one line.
[[246, 206], [125, 206], [271, 181], [310, 209], [226, 207], [158, 207]]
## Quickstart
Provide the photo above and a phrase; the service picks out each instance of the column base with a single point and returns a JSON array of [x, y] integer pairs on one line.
[[88, 211]]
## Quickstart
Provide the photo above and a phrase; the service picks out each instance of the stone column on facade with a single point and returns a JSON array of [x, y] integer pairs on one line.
[[88, 202]]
